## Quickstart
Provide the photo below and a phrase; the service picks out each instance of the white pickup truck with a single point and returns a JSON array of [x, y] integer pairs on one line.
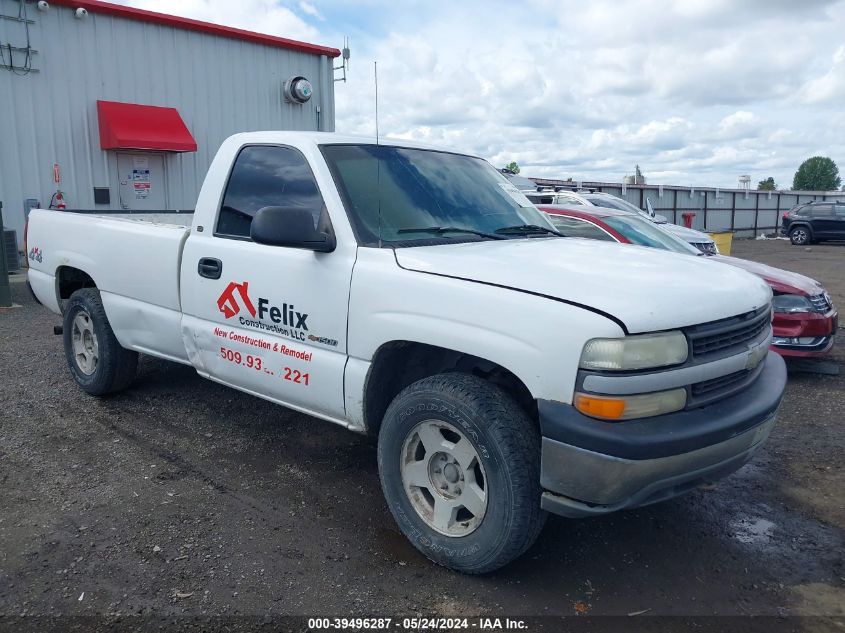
[[416, 295]]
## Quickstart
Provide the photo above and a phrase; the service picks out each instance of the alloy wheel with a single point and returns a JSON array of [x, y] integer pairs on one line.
[[443, 478]]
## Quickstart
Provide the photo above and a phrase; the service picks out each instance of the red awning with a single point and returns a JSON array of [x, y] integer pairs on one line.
[[133, 126]]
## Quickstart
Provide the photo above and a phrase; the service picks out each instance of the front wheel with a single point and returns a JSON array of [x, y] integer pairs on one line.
[[799, 236], [459, 463]]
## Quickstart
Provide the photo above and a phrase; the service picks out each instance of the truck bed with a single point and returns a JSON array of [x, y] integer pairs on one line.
[[133, 255], [134, 260]]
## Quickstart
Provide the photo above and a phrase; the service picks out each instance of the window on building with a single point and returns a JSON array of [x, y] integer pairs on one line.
[[266, 176]]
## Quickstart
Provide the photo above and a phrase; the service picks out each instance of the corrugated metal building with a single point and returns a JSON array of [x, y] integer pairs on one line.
[[74, 83]]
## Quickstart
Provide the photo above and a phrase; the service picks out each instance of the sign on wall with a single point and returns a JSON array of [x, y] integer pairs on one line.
[[141, 184]]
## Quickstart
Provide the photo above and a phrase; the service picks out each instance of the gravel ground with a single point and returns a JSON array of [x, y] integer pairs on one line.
[[180, 496]]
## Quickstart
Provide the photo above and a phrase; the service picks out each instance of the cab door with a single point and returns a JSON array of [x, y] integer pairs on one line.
[[269, 320]]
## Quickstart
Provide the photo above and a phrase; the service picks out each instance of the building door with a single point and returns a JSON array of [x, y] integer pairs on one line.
[[142, 182]]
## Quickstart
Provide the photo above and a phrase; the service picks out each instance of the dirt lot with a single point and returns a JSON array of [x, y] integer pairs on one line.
[[181, 496]]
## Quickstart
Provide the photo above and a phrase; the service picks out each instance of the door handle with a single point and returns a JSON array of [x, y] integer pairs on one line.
[[210, 268]]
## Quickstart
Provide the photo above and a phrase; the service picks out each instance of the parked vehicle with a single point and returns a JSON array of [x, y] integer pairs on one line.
[[415, 294], [805, 321], [814, 222], [570, 199]]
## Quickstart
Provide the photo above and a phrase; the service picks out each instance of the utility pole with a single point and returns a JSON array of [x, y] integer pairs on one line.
[[5, 290]]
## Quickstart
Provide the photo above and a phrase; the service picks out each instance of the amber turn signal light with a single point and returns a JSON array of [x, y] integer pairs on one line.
[[604, 408]]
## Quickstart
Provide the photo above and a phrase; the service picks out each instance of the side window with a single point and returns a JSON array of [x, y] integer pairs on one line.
[[839, 211], [266, 176], [572, 227], [821, 210]]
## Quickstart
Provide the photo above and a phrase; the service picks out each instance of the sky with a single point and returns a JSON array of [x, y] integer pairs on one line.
[[697, 92]]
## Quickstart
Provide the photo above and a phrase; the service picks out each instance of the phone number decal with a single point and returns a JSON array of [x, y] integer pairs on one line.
[[248, 360]]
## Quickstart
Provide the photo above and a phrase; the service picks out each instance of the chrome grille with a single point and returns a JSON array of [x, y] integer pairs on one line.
[[821, 302], [734, 332]]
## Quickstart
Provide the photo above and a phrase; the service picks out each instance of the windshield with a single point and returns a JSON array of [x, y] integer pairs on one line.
[[389, 191], [612, 202], [644, 233]]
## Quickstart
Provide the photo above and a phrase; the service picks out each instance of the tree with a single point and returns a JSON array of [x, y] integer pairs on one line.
[[818, 173], [512, 166], [767, 185]]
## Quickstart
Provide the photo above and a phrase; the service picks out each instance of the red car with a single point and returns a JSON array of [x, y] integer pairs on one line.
[[805, 320]]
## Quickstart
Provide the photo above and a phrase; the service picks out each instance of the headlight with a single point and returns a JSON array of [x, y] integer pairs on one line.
[[644, 405], [791, 303], [635, 352]]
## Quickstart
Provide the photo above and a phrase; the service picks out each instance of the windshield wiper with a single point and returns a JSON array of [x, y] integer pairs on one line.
[[452, 229], [527, 229]]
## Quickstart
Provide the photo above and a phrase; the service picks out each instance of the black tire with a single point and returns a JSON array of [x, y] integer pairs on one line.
[[115, 366], [800, 235], [507, 445]]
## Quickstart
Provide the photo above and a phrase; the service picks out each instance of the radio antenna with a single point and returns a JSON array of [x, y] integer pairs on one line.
[[378, 157], [375, 74]]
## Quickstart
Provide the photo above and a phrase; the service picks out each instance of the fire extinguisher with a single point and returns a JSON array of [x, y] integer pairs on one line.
[[57, 201]]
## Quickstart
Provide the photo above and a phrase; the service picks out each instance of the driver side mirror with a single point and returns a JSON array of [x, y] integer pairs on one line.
[[289, 226]]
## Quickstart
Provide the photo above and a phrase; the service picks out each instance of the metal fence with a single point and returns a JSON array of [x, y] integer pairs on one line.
[[746, 213]]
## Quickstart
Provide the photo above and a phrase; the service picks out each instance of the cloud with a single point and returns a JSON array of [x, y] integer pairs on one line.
[[310, 9], [699, 91], [740, 125], [831, 85]]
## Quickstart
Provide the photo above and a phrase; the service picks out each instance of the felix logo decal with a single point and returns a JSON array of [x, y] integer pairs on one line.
[[236, 296], [35, 254], [228, 303]]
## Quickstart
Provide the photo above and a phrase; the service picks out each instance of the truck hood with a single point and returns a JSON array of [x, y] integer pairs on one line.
[[782, 281], [644, 288]]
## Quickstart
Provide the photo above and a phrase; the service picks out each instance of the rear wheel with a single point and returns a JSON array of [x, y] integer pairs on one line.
[[459, 463], [97, 361], [800, 235]]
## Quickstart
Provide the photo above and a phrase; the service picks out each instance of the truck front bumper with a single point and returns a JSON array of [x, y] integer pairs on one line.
[[590, 467]]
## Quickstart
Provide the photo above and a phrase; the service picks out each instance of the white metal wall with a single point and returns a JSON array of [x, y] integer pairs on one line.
[[219, 85]]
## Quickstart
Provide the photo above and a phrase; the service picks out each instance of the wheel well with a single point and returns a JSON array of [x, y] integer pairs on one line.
[[399, 363], [797, 225], [69, 280]]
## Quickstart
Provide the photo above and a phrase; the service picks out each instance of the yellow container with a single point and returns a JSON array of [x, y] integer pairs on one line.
[[723, 240]]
